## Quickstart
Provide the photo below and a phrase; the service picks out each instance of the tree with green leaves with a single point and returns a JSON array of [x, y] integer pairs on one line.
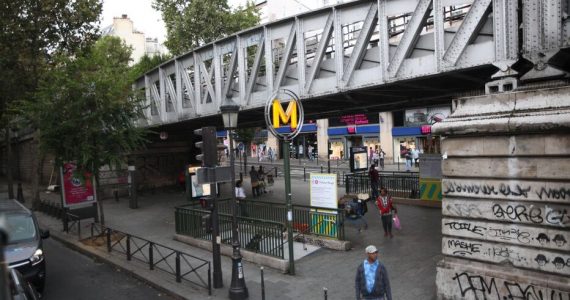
[[86, 108], [32, 34], [147, 63], [193, 23]]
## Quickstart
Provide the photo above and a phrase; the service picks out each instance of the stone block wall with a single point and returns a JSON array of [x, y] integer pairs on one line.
[[506, 197]]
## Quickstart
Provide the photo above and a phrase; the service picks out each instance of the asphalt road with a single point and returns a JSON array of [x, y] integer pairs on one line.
[[71, 275]]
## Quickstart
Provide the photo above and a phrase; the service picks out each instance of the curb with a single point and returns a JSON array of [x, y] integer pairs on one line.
[[72, 245]]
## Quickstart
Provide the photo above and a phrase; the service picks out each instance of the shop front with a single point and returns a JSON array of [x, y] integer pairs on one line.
[[358, 130], [341, 139], [304, 145]]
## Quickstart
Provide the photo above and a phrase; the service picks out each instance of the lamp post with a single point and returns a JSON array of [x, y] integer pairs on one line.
[[238, 290]]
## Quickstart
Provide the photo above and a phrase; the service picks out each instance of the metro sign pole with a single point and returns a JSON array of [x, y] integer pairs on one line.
[[294, 116]]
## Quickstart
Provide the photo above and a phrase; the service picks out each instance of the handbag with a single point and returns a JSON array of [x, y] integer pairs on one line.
[[396, 220]]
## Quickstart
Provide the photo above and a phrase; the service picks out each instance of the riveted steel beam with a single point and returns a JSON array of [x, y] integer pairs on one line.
[[320, 53], [207, 77], [361, 43], [254, 71], [474, 20], [187, 83], [226, 92], [411, 35], [280, 77]]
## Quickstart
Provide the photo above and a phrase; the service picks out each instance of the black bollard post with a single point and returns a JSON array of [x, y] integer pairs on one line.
[[275, 172], [240, 176], [304, 173], [20, 196], [321, 168], [329, 166], [262, 285], [116, 195], [326, 292]]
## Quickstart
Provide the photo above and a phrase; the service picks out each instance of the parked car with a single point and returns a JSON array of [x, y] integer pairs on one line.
[[21, 289], [24, 250]]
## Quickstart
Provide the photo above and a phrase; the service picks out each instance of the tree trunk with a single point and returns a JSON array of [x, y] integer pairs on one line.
[[98, 198], [9, 176], [36, 171]]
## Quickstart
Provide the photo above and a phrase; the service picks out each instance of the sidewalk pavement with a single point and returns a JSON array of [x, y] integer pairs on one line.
[[410, 257]]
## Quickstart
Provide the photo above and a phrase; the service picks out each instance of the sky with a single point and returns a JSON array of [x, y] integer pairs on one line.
[[144, 17]]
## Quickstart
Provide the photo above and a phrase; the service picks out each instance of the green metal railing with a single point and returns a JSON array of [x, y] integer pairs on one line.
[[321, 221], [255, 235], [399, 184]]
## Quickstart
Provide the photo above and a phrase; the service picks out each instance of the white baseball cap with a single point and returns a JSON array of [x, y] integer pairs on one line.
[[371, 249]]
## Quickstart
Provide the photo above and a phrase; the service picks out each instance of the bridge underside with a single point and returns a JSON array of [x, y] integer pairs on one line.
[[421, 92]]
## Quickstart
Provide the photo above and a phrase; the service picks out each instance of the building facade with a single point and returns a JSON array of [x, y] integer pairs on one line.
[[123, 27]]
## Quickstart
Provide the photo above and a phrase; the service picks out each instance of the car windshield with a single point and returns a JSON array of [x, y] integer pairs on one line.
[[20, 228]]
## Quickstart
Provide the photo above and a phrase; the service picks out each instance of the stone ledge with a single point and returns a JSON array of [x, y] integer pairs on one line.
[[264, 260], [516, 112], [323, 242]]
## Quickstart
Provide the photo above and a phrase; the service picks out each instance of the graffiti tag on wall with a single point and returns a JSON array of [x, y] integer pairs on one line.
[[508, 189], [541, 259], [523, 235], [515, 212]]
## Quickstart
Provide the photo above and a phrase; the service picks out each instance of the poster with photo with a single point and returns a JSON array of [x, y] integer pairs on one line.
[[78, 186]]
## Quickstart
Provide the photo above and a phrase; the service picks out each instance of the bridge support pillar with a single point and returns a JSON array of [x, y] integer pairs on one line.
[[506, 197]]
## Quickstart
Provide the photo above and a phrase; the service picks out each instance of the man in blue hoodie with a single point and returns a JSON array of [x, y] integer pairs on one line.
[[372, 278]]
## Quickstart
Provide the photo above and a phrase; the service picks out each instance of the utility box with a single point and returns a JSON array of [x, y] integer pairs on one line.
[[430, 177]]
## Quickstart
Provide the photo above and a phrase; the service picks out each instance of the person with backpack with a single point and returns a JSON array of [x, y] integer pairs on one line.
[[372, 280], [386, 206], [354, 210]]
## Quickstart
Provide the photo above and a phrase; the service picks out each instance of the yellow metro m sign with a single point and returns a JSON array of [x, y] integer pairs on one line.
[[288, 116], [276, 117]]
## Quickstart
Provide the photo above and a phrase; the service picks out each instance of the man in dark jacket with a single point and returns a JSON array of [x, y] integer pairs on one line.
[[372, 278]]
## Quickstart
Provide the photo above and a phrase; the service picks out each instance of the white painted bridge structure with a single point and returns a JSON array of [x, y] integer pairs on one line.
[[366, 54]]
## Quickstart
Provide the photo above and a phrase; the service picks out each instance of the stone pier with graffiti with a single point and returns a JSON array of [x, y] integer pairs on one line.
[[506, 197]]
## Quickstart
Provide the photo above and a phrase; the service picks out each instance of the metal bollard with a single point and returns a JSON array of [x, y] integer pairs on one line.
[[326, 292], [275, 172], [151, 256], [116, 195], [262, 285], [178, 276], [321, 168], [304, 174], [240, 176], [128, 247], [108, 239], [329, 166]]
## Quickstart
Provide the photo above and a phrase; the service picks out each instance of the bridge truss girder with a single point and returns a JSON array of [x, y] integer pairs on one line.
[[362, 45]]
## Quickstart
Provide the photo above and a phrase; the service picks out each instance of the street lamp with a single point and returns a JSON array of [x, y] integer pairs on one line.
[[238, 290]]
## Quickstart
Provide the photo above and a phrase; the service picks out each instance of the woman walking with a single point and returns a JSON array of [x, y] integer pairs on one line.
[[386, 206]]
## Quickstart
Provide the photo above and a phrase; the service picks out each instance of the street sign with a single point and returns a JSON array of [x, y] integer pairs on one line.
[[214, 175]]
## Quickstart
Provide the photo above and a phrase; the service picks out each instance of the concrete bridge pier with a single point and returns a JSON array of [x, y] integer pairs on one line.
[[506, 203]]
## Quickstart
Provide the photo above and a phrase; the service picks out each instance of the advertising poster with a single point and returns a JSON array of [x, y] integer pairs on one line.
[[78, 186], [323, 190], [358, 159]]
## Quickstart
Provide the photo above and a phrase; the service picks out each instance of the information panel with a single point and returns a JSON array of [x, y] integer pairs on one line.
[[323, 190]]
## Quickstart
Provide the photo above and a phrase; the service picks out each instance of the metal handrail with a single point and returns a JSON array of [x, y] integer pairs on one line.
[[142, 244]]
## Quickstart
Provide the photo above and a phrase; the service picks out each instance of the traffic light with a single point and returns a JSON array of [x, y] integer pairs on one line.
[[208, 145]]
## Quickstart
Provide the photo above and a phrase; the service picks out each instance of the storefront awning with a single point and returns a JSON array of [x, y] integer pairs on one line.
[[350, 130], [406, 131], [306, 128]]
